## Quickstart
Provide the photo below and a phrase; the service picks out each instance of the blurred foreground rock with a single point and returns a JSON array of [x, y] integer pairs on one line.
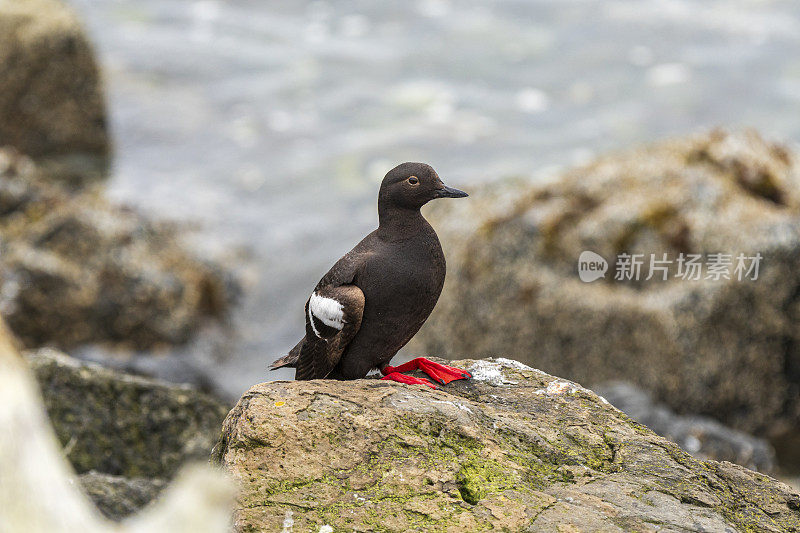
[[118, 497], [513, 449], [37, 490], [124, 425], [703, 437], [729, 349], [76, 269], [51, 96]]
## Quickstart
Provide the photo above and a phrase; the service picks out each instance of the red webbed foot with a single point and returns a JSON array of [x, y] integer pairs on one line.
[[408, 380], [440, 373]]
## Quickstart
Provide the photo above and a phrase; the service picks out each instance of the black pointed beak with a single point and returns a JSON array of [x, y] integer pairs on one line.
[[450, 192]]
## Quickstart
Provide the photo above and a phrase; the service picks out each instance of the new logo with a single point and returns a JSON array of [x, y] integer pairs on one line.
[[591, 266]]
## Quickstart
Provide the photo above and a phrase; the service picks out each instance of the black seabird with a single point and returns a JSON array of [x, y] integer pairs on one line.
[[376, 297]]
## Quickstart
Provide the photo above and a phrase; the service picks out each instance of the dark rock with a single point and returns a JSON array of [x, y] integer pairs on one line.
[[118, 497], [124, 425], [39, 492], [703, 437]]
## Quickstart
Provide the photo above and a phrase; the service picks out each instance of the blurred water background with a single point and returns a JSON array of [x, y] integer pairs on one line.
[[271, 123]]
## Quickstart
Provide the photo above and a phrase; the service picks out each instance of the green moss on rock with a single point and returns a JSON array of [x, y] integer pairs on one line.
[[513, 449], [478, 478]]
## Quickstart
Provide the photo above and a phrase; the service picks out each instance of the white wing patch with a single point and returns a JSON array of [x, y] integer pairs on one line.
[[328, 310]]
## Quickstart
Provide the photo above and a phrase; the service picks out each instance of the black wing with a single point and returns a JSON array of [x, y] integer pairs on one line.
[[333, 316]]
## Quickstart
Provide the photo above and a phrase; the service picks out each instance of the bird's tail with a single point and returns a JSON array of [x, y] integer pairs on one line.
[[289, 360]]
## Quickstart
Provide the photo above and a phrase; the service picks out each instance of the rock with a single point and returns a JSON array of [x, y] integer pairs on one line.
[[703, 437], [38, 492], [728, 349], [76, 269], [513, 449], [118, 497], [51, 95], [124, 425]]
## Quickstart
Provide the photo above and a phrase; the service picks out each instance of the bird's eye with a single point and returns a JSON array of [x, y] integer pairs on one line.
[[413, 180]]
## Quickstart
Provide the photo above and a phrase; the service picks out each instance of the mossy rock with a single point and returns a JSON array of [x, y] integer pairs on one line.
[[513, 449], [124, 425]]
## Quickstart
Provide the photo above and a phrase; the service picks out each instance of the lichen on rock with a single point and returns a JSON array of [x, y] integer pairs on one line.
[[488, 454]]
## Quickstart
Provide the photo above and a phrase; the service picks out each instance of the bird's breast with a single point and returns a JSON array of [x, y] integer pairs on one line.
[[405, 279]]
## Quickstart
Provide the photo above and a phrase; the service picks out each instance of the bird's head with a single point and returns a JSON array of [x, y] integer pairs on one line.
[[412, 185]]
